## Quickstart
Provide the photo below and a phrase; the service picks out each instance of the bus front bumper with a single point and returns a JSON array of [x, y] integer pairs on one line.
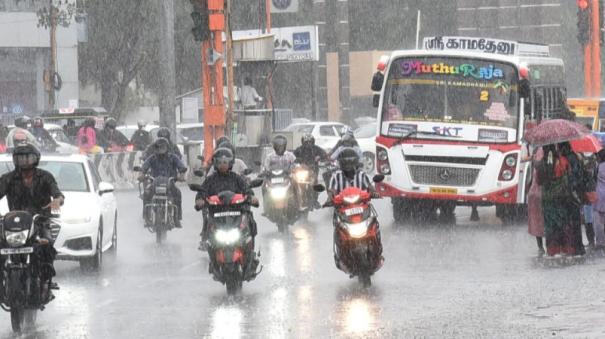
[[506, 195]]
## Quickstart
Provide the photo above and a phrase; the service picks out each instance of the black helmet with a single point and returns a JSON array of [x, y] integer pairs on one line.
[[38, 122], [221, 140], [348, 159], [220, 155], [227, 144], [164, 132], [162, 146], [111, 123], [307, 140], [279, 144], [26, 156], [348, 140], [22, 122]]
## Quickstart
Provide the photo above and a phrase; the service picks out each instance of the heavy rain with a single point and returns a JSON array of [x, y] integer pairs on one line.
[[301, 169]]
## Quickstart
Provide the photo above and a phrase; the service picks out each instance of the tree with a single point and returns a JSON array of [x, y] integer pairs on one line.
[[122, 41]]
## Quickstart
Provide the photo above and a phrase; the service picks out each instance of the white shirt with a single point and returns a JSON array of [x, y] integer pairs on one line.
[[274, 161], [249, 96]]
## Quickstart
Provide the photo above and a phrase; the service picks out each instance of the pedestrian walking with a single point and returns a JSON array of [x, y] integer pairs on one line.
[[534, 204]]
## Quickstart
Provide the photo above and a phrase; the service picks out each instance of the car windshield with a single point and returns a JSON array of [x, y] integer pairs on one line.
[[366, 131], [59, 135], [70, 176], [451, 90]]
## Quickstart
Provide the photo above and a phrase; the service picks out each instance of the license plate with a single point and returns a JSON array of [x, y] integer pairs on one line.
[[23, 250], [443, 190], [353, 211], [227, 214], [277, 180]]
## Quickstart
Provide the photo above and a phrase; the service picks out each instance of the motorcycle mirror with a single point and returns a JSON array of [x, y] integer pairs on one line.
[[319, 188], [256, 183], [247, 171], [378, 178], [137, 168], [195, 187], [198, 173]]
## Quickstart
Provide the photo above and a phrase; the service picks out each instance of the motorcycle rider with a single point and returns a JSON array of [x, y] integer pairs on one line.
[[165, 164], [42, 135], [279, 158], [109, 138], [239, 166], [223, 179], [28, 188], [310, 155], [21, 133], [141, 138], [163, 132], [347, 141]]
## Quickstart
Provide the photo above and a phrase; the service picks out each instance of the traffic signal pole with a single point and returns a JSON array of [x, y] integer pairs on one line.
[[595, 45], [589, 36]]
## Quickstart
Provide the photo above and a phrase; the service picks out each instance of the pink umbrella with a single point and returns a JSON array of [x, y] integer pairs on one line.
[[555, 131]]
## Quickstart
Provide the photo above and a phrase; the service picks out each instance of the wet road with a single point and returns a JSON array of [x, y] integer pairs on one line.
[[475, 279]]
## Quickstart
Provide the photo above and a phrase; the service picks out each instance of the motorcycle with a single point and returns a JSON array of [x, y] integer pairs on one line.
[[22, 291], [160, 212], [357, 243], [230, 244], [279, 200], [304, 179]]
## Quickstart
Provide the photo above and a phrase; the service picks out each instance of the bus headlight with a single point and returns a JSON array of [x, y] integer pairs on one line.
[[507, 174], [510, 161], [385, 169], [383, 155]]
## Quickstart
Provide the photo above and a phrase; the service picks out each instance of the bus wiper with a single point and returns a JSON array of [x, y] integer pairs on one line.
[[415, 132]]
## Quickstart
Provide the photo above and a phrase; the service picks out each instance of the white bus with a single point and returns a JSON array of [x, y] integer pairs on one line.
[[451, 122]]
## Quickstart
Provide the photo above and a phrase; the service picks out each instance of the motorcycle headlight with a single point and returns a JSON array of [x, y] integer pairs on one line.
[[227, 237], [352, 199], [358, 230], [301, 176], [279, 193], [16, 239]]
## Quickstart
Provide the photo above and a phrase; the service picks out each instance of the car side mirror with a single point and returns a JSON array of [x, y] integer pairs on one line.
[[195, 187], [247, 171], [198, 173], [105, 187], [376, 100], [319, 188], [377, 81], [378, 178], [137, 168], [256, 183]]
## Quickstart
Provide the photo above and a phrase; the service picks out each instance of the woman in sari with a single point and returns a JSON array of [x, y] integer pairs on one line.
[[534, 205]]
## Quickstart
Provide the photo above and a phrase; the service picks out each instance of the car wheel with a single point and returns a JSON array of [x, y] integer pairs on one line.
[[369, 162], [114, 236], [95, 262]]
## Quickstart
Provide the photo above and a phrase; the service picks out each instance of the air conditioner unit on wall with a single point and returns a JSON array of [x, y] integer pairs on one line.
[[284, 6]]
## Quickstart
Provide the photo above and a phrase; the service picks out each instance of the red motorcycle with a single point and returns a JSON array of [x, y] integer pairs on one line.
[[357, 243]]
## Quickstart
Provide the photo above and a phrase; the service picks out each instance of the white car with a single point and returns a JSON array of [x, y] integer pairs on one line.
[[366, 137], [88, 219], [65, 146], [326, 134]]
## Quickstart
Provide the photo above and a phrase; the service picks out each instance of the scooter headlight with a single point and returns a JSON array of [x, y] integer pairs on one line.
[[227, 237], [301, 176], [358, 230], [279, 193], [352, 199], [16, 239]]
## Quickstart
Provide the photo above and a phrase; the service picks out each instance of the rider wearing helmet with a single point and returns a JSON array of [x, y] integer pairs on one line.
[[45, 140], [110, 139], [141, 138], [28, 188], [310, 154], [279, 158], [223, 179], [349, 174], [239, 166], [165, 164], [20, 134], [164, 132], [347, 141]]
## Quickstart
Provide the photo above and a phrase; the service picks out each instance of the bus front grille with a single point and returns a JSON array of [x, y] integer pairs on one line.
[[449, 176]]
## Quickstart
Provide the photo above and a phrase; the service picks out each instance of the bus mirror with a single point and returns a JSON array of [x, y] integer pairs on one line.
[[377, 81], [524, 88], [376, 100]]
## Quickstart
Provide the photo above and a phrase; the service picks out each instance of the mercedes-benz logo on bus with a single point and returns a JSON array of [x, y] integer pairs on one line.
[[445, 174], [282, 4]]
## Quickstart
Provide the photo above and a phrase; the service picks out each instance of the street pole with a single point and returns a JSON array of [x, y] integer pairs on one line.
[[342, 34], [230, 80], [167, 100], [595, 43], [320, 102], [53, 55]]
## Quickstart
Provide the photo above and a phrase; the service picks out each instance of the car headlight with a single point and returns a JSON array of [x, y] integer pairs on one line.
[[227, 237], [279, 193], [77, 220], [358, 230], [352, 199], [16, 239], [301, 176]]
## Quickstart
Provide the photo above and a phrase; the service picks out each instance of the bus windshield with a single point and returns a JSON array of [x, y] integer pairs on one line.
[[452, 90]]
